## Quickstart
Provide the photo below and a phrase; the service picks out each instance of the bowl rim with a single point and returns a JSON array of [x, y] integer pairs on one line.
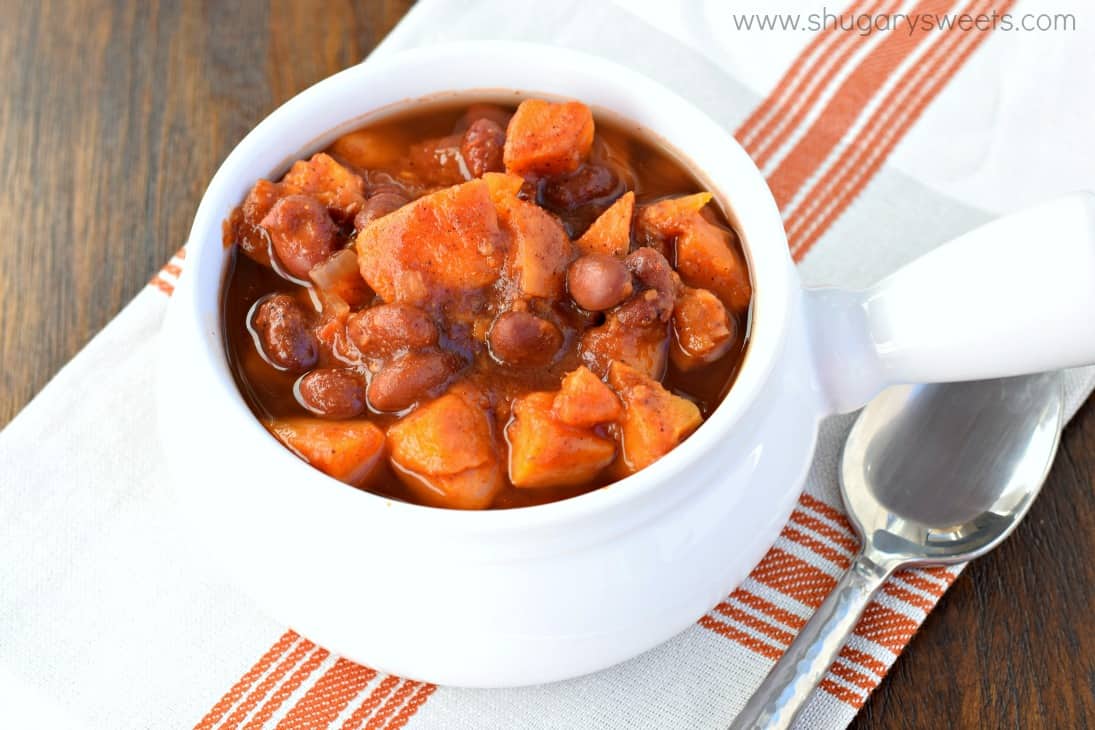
[[755, 217]]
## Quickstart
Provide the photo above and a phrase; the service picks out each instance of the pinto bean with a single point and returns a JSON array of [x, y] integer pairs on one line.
[[410, 377], [334, 393], [522, 339], [494, 113], [386, 328], [380, 204], [301, 232], [597, 282], [482, 147], [283, 334]]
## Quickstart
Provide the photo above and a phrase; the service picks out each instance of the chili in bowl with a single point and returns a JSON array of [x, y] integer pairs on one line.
[[484, 306]]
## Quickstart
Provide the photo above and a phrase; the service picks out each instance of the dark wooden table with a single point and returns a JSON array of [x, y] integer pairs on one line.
[[115, 114]]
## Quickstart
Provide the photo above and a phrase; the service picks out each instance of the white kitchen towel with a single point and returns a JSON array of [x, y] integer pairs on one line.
[[106, 622]]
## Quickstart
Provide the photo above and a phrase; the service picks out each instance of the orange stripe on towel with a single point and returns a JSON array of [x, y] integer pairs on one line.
[[416, 701], [781, 111], [162, 285], [836, 119], [268, 683], [388, 708], [328, 696], [233, 695], [290, 686], [366, 708], [858, 164]]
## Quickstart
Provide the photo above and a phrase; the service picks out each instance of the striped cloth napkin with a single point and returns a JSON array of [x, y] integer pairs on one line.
[[877, 146]]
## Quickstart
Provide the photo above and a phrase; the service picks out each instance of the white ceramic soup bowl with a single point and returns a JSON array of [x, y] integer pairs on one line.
[[515, 597]]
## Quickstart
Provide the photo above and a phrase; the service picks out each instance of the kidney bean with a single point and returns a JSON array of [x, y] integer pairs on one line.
[[283, 334], [656, 302], [301, 232], [386, 328], [410, 377], [583, 186], [522, 339], [597, 282], [482, 147], [332, 393]]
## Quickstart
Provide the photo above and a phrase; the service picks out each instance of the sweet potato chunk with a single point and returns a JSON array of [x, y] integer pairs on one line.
[[703, 329], [342, 191], [349, 451], [372, 149], [611, 232], [260, 199], [654, 419], [670, 216], [444, 452], [539, 247], [705, 254], [502, 185], [444, 243], [584, 400], [706, 259], [437, 162], [253, 240], [643, 347], [545, 452], [548, 138]]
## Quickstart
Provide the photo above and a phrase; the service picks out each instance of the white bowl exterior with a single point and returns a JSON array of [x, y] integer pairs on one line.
[[498, 598]]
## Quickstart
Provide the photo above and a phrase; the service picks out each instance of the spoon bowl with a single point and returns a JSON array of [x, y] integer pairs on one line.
[[931, 475], [937, 474]]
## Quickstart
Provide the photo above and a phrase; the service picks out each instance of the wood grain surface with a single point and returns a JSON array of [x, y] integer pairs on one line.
[[114, 114]]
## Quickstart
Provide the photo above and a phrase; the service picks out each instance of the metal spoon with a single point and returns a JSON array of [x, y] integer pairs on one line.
[[931, 475]]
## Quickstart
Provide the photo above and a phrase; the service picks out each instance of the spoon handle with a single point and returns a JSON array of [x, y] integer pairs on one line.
[[793, 678]]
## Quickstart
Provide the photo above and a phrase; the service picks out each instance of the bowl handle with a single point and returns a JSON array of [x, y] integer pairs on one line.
[[1014, 296]]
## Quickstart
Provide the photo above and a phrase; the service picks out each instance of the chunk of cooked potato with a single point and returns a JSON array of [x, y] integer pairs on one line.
[[444, 452], [545, 452], [322, 177], [611, 232], [439, 245], [584, 400], [654, 419], [548, 138], [349, 451], [703, 330]]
